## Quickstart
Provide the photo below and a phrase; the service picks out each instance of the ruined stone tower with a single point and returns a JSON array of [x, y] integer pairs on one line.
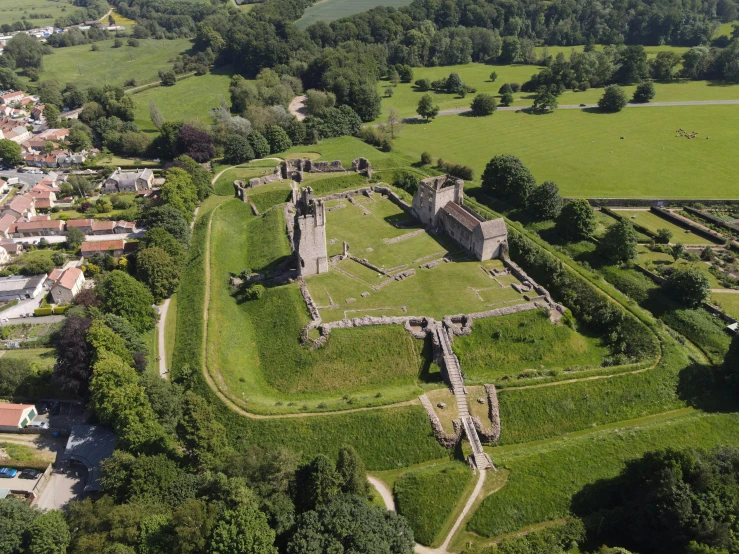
[[310, 234]]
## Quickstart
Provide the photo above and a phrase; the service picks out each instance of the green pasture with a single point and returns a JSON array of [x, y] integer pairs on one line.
[[427, 496], [113, 66], [544, 476], [330, 10], [631, 154], [191, 99], [255, 346], [654, 222], [15, 10], [406, 96], [506, 345]]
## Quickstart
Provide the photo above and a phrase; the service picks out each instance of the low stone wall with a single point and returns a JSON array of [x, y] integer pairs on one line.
[[404, 237], [256, 181], [444, 439], [713, 219], [494, 412], [647, 202], [372, 321], [362, 166], [367, 191], [366, 264], [522, 276]]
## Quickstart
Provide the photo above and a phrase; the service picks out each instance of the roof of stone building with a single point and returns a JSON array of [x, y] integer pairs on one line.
[[103, 225], [493, 228], [462, 216], [103, 245], [21, 202], [69, 278], [79, 223], [7, 221], [57, 225]]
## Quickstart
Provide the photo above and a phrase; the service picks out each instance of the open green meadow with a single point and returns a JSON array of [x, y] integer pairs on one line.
[[631, 154], [259, 356], [406, 96], [728, 301], [330, 10], [418, 498], [545, 476], [112, 66], [507, 345], [725, 29], [16, 10], [190, 99], [41, 358]]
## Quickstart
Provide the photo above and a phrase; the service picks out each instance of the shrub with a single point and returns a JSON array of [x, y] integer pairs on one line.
[[663, 236], [43, 311], [483, 104], [406, 180], [426, 158], [688, 285], [644, 92], [613, 99]]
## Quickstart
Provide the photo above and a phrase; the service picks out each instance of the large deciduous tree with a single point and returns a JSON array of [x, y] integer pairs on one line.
[[577, 220], [545, 203], [506, 177], [171, 220], [426, 108], [688, 285], [125, 296], [483, 104], [613, 99], [73, 364], [618, 244], [10, 152], [203, 437], [158, 271]]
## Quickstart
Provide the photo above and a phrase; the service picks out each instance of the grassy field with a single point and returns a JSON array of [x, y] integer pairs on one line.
[[728, 301], [545, 476], [14, 10], [654, 222], [150, 339], [725, 29], [384, 439], [329, 10], [503, 346], [426, 497], [584, 153], [259, 355], [405, 96], [42, 358], [170, 330], [113, 66], [189, 100]]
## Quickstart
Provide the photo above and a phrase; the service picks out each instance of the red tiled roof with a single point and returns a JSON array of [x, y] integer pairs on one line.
[[39, 225], [10, 414], [78, 223], [69, 278], [103, 245], [55, 274], [7, 221], [103, 225]]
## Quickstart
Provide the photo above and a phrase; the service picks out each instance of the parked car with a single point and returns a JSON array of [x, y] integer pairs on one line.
[[8, 472], [29, 474], [38, 425]]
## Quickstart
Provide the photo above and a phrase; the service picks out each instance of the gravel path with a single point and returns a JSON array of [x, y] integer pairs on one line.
[[161, 347], [297, 107], [387, 496]]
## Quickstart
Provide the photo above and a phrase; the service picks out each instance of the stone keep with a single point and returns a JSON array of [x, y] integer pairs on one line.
[[310, 234], [438, 203]]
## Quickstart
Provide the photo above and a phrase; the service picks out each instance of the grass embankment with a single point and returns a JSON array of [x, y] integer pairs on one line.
[[503, 346], [426, 497], [545, 476], [254, 345], [592, 159], [189, 100], [113, 66], [384, 438], [170, 330]]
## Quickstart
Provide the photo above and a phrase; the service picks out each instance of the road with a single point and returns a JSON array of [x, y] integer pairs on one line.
[[160, 331], [28, 178], [457, 111]]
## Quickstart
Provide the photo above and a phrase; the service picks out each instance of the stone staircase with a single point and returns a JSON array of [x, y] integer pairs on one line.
[[456, 382]]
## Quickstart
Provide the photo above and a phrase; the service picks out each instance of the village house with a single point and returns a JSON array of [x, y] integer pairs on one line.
[[21, 287], [11, 97], [103, 227], [7, 225], [37, 113], [16, 416], [10, 246], [25, 229], [438, 203], [84, 225], [124, 227], [22, 205], [66, 285], [128, 181], [4, 256], [113, 247], [18, 134]]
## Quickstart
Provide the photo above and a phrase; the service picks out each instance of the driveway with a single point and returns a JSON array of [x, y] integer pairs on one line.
[[65, 484], [18, 484], [23, 308]]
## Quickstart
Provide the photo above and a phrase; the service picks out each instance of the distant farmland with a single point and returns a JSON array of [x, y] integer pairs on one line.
[[329, 10]]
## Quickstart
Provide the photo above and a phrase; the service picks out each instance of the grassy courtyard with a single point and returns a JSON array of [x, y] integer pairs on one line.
[[368, 225], [258, 354], [592, 158]]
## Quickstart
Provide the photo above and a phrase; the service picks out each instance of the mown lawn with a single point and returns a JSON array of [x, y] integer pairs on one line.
[[190, 99], [654, 222], [426, 497], [585, 154], [506, 345], [113, 66], [41, 358], [545, 476], [255, 344], [170, 330], [728, 301]]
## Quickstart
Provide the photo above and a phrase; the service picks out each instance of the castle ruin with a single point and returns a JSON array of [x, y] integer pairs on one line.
[[310, 234], [438, 203]]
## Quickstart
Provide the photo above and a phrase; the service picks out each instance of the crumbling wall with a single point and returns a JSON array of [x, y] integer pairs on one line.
[[362, 166], [446, 440]]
